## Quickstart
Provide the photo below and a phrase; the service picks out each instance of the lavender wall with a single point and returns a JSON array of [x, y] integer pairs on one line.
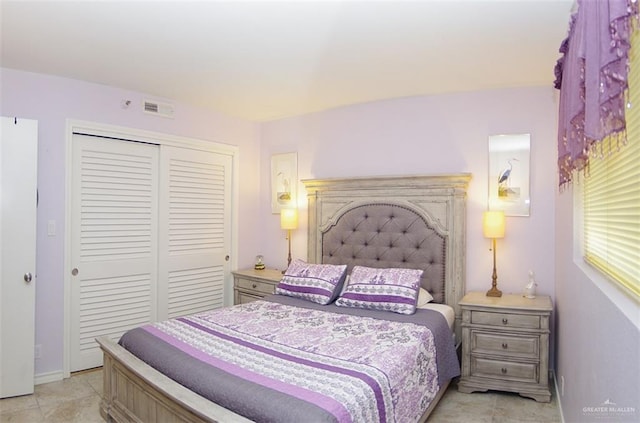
[[51, 101], [598, 335], [423, 135]]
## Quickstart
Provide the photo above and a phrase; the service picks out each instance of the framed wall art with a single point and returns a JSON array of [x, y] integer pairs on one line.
[[284, 181], [509, 174]]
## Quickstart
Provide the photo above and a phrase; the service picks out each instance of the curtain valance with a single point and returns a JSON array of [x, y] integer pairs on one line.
[[592, 78]]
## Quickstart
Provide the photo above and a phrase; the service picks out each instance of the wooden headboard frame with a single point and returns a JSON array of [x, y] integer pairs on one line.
[[439, 199]]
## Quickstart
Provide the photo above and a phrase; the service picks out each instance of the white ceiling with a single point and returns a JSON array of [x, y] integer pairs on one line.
[[263, 60]]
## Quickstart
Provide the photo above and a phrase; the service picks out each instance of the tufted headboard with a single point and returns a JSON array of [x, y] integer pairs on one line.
[[412, 221], [387, 235]]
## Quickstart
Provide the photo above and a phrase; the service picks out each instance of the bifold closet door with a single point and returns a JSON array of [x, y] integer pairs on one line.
[[195, 230], [114, 242]]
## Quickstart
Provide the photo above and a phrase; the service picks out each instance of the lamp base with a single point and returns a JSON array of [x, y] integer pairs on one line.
[[494, 292]]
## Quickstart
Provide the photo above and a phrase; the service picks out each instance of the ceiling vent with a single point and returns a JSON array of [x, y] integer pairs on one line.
[[158, 109]]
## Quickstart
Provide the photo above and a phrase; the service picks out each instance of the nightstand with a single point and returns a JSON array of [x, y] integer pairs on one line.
[[505, 344], [250, 285]]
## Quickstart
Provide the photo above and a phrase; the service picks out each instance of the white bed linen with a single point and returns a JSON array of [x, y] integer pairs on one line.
[[445, 310]]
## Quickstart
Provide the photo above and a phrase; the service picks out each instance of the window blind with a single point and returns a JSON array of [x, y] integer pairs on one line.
[[612, 196]]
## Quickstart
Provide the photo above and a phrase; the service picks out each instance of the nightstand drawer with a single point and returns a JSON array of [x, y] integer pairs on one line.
[[505, 345], [505, 320], [504, 370], [243, 298], [250, 284], [257, 286]]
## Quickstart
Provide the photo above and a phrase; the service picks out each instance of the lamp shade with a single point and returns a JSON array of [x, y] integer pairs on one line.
[[493, 223], [288, 218]]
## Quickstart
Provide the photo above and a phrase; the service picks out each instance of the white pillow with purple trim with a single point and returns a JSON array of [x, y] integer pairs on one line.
[[389, 289], [319, 283]]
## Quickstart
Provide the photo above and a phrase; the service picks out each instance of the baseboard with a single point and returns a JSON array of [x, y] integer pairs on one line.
[[48, 377], [558, 397]]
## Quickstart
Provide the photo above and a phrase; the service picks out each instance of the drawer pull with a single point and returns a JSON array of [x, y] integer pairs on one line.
[[505, 320], [505, 345], [504, 371], [254, 286]]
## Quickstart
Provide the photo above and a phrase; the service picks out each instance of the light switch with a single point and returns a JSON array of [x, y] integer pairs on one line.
[[51, 228]]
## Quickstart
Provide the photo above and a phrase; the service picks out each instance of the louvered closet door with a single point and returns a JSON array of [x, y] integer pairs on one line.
[[114, 245], [196, 188]]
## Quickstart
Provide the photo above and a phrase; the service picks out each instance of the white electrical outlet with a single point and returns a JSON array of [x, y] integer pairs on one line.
[[38, 351]]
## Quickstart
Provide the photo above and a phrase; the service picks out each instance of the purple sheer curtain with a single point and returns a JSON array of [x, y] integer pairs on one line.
[[592, 79]]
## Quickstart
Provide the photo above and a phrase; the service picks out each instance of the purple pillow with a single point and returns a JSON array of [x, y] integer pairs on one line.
[[394, 290], [319, 283]]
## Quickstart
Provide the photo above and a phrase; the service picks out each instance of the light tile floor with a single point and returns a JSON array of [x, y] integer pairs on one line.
[[77, 399], [73, 400], [493, 407]]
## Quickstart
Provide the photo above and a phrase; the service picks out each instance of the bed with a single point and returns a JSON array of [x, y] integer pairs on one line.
[[380, 223]]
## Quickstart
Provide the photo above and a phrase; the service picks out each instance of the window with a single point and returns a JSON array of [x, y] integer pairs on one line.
[[612, 197]]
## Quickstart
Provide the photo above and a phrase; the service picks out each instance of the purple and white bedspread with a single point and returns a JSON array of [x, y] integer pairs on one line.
[[279, 362]]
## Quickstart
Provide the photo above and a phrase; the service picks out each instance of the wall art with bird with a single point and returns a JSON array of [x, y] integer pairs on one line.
[[504, 180]]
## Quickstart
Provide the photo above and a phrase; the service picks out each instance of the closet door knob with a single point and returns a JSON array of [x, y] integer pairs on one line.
[[28, 277]]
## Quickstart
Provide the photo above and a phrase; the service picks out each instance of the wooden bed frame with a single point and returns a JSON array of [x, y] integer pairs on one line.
[[135, 392]]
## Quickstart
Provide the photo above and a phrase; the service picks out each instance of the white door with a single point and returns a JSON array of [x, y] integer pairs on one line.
[[195, 230], [18, 191], [114, 215], [150, 229]]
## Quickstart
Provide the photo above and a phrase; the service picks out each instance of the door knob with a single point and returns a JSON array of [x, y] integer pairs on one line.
[[27, 277], [74, 272]]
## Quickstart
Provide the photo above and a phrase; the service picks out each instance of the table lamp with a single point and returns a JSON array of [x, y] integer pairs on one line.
[[493, 225], [288, 221]]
